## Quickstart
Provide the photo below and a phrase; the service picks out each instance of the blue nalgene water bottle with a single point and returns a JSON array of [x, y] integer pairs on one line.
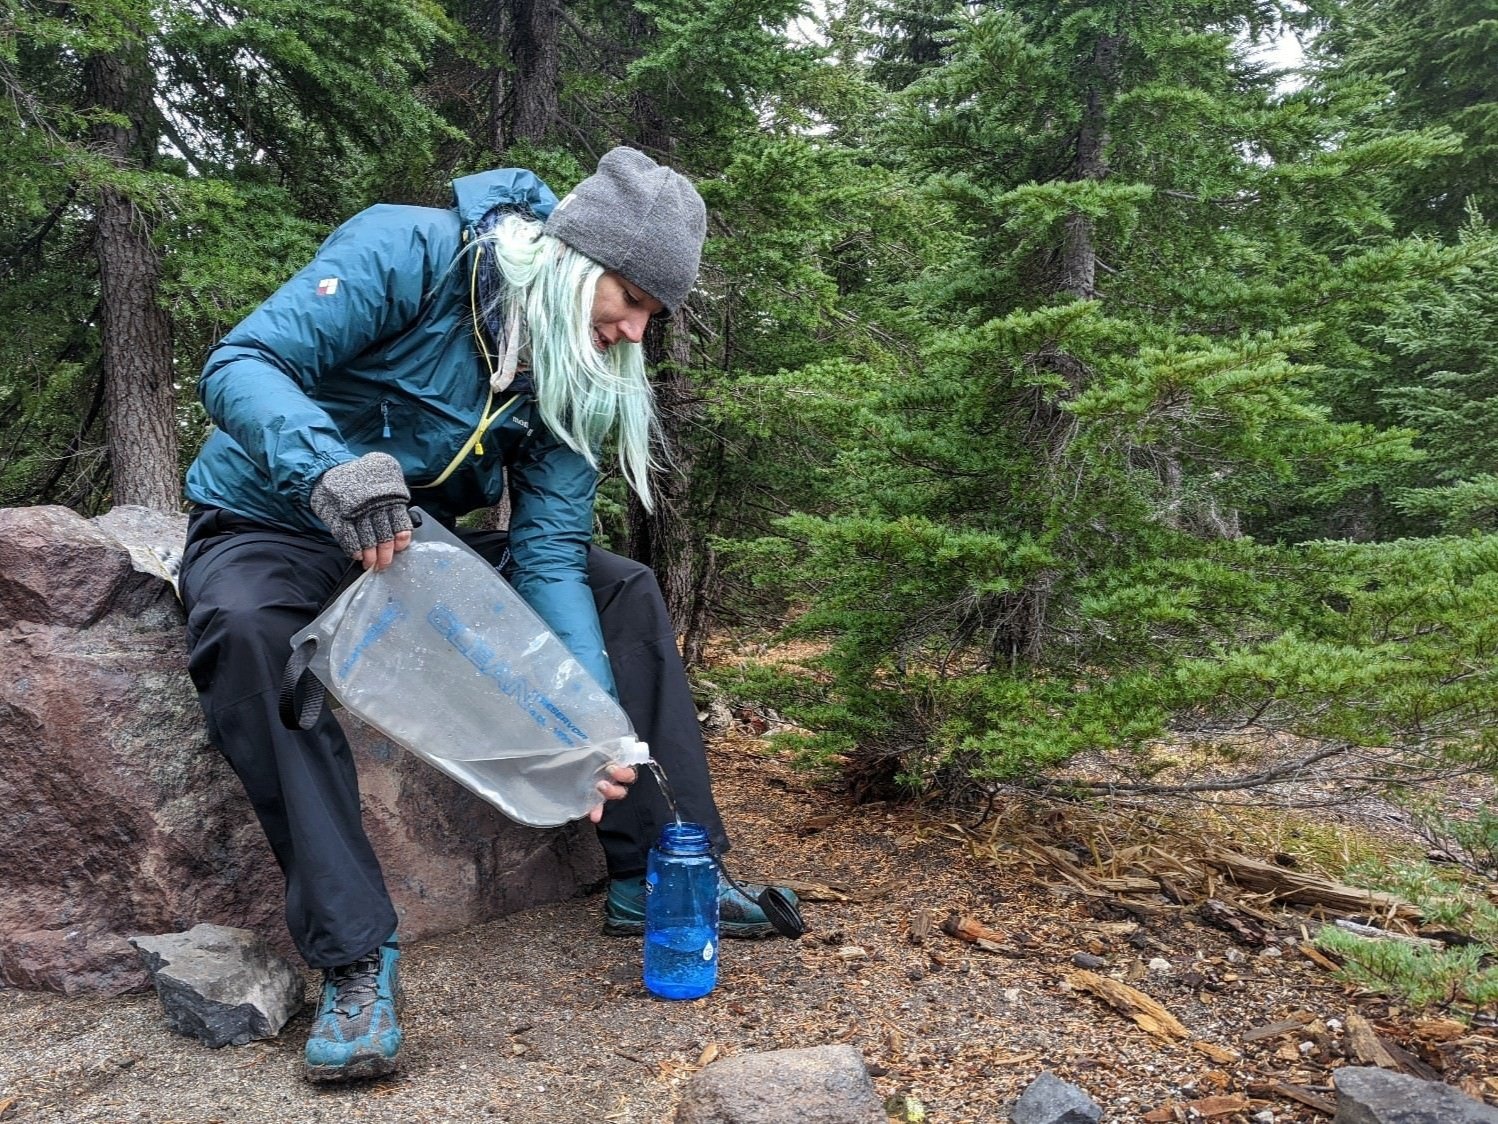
[[681, 914]]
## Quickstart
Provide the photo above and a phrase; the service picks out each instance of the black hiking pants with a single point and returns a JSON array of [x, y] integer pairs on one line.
[[249, 588]]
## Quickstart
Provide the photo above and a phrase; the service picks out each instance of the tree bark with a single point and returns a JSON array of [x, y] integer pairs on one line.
[[526, 97], [1021, 636], [136, 330], [1078, 251], [663, 538]]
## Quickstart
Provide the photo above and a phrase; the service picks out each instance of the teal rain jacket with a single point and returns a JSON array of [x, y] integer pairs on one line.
[[371, 347]]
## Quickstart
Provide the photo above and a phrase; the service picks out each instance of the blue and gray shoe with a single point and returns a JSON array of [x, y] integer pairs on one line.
[[738, 916], [356, 1035]]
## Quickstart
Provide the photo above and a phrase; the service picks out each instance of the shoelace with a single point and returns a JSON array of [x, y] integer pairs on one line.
[[356, 985]]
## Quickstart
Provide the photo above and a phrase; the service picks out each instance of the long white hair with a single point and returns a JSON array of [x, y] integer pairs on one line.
[[585, 395]]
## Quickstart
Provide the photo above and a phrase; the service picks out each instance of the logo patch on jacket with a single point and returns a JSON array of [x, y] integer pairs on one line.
[[327, 286]]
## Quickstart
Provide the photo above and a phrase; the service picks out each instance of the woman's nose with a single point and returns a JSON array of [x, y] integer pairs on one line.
[[633, 325]]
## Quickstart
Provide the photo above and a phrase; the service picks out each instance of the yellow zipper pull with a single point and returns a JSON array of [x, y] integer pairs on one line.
[[478, 448]]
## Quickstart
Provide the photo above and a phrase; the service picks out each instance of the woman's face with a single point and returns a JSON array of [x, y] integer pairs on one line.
[[621, 310]]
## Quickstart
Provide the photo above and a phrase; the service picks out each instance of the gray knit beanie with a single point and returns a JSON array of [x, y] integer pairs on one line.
[[643, 221]]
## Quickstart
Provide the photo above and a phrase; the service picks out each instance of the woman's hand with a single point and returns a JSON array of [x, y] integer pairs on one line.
[[363, 502], [615, 786], [379, 556]]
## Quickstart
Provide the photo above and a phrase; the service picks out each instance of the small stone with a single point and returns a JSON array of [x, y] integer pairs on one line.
[[1087, 960], [220, 985], [1368, 1095], [1159, 965], [1263, 1117], [1050, 1100], [1271, 952], [819, 1084]]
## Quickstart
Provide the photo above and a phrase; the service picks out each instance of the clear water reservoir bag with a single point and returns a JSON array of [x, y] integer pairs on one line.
[[441, 655]]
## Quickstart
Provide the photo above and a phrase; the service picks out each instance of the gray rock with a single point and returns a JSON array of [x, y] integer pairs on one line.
[[222, 986], [818, 1085], [1367, 1095], [118, 817], [1050, 1100]]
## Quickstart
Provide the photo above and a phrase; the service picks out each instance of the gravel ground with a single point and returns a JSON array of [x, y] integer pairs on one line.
[[541, 1019]]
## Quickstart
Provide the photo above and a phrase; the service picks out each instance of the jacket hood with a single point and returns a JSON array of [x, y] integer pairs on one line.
[[476, 195]]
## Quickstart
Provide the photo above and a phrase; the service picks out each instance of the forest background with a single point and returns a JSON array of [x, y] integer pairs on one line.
[[1069, 376]]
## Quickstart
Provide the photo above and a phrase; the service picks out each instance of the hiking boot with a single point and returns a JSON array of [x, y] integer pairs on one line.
[[355, 1035], [738, 916]]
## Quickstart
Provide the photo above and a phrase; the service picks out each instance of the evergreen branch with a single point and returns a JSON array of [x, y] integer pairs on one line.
[[34, 241]]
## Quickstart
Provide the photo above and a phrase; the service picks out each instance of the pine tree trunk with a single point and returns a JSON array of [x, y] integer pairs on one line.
[[663, 539], [136, 331], [1021, 639], [527, 96], [1078, 252]]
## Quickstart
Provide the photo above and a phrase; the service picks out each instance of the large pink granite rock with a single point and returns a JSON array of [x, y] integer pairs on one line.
[[116, 815]]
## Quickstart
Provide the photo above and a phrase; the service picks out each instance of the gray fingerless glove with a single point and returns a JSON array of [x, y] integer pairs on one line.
[[363, 503]]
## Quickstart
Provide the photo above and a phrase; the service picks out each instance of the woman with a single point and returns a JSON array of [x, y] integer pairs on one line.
[[426, 355]]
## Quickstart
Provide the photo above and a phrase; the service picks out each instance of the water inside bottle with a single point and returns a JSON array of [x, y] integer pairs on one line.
[[660, 779], [680, 962]]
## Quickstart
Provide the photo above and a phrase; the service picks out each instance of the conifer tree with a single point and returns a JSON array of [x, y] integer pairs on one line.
[[1158, 269], [193, 153], [1444, 346], [1435, 59]]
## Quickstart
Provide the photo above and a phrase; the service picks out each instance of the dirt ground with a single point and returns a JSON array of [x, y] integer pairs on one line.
[[541, 1019]]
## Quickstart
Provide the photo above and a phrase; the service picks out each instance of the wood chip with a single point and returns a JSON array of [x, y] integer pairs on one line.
[[710, 1053], [1208, 1107], [920, 926], [813, 891], [1219, 1054], [1317, 957], [1147, 1013], [1273, 1030], [1297, 1093], [1130, 885], [879, 890], [1220, 915], [968, 929], [1366, 1045], [1439, 1030]]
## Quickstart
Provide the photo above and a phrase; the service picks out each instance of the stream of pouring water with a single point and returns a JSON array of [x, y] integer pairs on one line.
[[660, 778], [782, 913]]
